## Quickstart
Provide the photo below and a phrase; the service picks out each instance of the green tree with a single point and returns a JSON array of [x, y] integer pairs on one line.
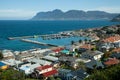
[[110, 73], [1, 55], [81, 65], [72, 42], [85, 40], [11, 74], [58, 79], [80, 41], [118, 31]]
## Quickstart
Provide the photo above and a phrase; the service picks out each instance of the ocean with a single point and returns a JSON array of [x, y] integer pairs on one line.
[[12, 28]]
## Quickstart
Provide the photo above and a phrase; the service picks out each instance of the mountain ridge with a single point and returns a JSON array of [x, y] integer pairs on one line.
[[116, 19], [74, 15]]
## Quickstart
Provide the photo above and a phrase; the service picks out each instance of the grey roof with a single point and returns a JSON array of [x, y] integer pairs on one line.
[[67, 58], [40, 61], [93, 53], [64, 70], [51, 58], [93, 63], [11, 62], [116, 55], [79, 74]]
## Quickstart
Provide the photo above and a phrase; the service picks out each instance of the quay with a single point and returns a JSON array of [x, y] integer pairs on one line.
[[36, 42], [45, 37]]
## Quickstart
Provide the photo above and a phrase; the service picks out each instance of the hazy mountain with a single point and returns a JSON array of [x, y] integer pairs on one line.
[[117, 18], [73, 15]]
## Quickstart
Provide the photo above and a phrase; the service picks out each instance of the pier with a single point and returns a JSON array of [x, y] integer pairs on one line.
[[36, 42], [45, 37]]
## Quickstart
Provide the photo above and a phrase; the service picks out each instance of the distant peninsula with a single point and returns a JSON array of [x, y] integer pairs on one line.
[[116, 19], [74, 15]]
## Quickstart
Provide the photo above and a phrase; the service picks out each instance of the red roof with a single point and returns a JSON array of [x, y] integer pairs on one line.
[[112, 39], [111, 61], [58, 49], [47, 74], [87, 46], [44, 67]]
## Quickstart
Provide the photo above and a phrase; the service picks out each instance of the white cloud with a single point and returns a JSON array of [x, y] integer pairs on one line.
[[17, 13]]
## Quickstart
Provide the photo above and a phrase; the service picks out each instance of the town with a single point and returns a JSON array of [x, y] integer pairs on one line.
[[79, 61]]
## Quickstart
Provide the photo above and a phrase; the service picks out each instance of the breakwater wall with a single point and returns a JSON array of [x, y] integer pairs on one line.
[[36, 42]]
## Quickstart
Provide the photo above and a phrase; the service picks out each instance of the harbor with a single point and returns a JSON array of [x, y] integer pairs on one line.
[[52, 40]]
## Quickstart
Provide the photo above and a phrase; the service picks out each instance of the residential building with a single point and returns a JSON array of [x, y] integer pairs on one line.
[[111, 61], [7, 54], [63, 73], [46, 71], [110, 42], [40, 61], [77, 75], [87, 46], [28, 68], [12, 62], [93, 64], [92, 55]]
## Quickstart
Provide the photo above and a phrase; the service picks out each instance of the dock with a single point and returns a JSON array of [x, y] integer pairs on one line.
[[45, 37], [36, 42]]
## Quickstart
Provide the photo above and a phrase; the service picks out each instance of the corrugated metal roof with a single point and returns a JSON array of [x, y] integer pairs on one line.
[[51, 58], [42, 62]]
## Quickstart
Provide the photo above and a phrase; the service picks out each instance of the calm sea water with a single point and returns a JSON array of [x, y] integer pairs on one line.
[[28, 28]]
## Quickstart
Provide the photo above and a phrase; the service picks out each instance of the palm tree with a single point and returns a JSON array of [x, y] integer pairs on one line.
[[80, 41], [1, 55], [85, 40], [72, 42]]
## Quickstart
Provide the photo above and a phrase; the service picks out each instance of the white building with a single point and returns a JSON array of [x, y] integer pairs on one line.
[[7, 54], [92, 55], [28, 68]]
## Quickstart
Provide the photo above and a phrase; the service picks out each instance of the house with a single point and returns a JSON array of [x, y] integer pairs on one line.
[[92, 55], [84, 60], [3, 66], [87, 46], [112, 39], [67, 58], [7, 54], [23, 56], [110, 42], [115, 55], [94, 64], [70, 48], [63, 73], [57, 50], [40, 61], [65, 52], [50, 58], [116, 50], [46, 71], [111, 61], [77, 75], [12, 62], [28, 68]]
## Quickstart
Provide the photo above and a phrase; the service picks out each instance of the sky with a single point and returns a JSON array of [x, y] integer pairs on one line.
[[26, 9]]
